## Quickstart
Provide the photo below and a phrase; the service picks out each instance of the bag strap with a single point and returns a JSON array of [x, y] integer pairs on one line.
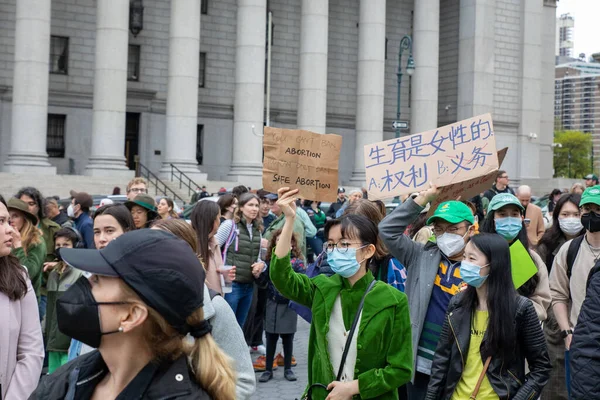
[[572, 253], [230, 238], [480, 380], [351, 333]]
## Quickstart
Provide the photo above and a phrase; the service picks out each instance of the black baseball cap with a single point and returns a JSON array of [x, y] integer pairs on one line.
[[161, 268]]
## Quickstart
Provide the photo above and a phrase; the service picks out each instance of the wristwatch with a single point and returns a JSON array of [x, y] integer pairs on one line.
[[566, 333]]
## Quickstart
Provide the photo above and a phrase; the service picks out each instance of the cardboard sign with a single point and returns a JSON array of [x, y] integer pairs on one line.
[[467, 189], [302, 160], [447, 155], [522, 265]]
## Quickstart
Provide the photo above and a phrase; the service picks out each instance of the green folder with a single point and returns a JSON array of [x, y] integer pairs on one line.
[[522, 266]]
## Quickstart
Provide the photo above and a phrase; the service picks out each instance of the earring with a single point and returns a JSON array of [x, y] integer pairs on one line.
[[121, 329]]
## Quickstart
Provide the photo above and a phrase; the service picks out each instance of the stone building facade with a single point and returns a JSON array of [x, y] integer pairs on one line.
[[189, 88]]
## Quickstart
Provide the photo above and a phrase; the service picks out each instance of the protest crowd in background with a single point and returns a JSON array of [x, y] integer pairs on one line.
[[443, 293]]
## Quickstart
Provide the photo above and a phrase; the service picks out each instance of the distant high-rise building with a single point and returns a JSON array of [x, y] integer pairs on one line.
[[577, 101], [565, 26]]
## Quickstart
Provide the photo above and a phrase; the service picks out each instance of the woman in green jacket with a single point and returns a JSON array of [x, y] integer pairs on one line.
[[380, 356], [28, 244]]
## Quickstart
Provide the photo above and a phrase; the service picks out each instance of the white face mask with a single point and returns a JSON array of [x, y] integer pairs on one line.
[[570, 226], [451, 244], [71, 211]]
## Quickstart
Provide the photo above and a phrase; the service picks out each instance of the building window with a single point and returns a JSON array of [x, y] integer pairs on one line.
[[59, 55], [204, 7], [133, 62], [55, 135], [199, 142], [202, 71]]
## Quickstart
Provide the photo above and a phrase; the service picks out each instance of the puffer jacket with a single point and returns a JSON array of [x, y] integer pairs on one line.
[[585, 357], [170, 381], [244, 251], [508, 379]]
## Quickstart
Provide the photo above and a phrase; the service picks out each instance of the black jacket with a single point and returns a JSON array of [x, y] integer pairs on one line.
[[585, 355], [507, 379], [166, 381], [335, 207], [490, 193]]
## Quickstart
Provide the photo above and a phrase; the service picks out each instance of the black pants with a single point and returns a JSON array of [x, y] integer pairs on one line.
[[418, 390], [288, 349], [254, 326]]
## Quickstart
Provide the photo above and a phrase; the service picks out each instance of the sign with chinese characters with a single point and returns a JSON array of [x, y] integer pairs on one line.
[[445, 156], [301, 160], [467, 189]]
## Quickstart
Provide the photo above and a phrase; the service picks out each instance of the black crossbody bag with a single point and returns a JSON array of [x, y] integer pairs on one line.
[[308, 395]]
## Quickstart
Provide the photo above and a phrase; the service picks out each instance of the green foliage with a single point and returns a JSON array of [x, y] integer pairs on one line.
[[573, 159]]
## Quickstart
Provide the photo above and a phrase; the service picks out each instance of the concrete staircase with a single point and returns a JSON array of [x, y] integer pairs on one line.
[[60, 185]]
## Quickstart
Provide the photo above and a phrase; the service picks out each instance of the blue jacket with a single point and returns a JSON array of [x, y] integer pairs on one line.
[[85, 226]]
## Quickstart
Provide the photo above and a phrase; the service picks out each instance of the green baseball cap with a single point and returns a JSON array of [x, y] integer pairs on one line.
[[504, 199], [591, 176], [453, 212], [591, 196]]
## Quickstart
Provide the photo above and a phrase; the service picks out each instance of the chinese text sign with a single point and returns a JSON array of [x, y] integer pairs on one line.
[[301, 160], [447, 155]]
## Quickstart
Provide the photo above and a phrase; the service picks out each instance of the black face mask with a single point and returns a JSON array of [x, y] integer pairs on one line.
[[78, 314], [591, 222]]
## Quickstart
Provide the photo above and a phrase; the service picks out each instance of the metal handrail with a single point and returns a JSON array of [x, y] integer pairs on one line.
[[189, 184], [142, 171]]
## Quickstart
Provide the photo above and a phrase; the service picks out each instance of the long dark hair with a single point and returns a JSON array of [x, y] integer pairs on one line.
[[37, 197], [225, 202], [489, 226], [501, 297], [12, 275], [552, 237], [357, 226], [118, 212], [203, 219]]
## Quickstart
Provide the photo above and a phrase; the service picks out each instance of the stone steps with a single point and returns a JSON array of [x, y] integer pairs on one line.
[[60, 185]]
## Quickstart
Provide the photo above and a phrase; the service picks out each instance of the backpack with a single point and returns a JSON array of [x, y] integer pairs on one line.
[[572, 253]]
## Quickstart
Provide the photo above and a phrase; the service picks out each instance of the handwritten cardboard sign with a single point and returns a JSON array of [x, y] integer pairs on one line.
[[467, 189], [447, 155], [302, 160]]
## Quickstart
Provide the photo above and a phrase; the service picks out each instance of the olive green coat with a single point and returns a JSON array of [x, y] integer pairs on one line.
[[384, 350]]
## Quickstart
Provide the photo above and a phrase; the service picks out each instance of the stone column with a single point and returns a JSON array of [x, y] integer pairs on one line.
[[248, 109], [426, 44], [476, 48], [370, 85], [30, 89], [531, 91], [312, 93], [548, 75], [182, 96], [110, 90]]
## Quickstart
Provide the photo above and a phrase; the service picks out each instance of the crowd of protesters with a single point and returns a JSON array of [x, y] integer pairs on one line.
[[134, 301]]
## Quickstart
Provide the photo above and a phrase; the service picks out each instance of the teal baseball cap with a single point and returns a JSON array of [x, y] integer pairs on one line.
[[591, 196], [453, 212], [504, 199]]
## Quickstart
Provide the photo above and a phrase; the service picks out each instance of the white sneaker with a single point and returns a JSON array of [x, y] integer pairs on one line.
[[262, 350]]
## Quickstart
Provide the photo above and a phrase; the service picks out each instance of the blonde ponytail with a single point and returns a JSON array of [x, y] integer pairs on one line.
[[212, 368]]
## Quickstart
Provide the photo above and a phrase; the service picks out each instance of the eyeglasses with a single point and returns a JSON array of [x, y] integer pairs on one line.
[[341, 246], [437, 231], [138, 190]]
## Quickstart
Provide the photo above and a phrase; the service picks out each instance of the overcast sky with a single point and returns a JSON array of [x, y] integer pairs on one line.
[[587, 24]]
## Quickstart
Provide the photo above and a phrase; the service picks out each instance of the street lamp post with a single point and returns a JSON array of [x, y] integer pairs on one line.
[[405, 44]]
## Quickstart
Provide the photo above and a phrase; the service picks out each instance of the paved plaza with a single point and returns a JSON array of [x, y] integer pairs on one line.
[[278, 388]]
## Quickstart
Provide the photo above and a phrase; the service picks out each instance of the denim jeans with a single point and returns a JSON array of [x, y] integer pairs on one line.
[[42, 307], [240, 300]]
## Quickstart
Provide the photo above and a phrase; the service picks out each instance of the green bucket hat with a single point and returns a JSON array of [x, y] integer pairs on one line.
[[145, 201], [591, 196], [504, 199], [453, 212], [20, 205]]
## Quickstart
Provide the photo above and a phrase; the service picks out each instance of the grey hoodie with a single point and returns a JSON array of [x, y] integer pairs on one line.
[[230, 338]]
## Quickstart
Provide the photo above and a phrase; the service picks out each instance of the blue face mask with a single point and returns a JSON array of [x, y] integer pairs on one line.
[[469, 273], [509, 227], [344, 264]]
